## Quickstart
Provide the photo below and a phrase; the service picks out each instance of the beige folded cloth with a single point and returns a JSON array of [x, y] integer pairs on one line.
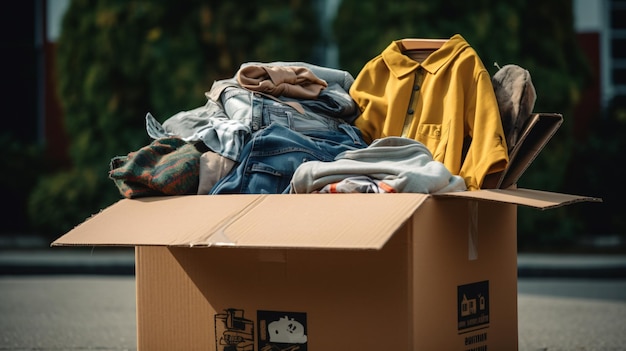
[[516, 98], [213, 167], [290, 81]]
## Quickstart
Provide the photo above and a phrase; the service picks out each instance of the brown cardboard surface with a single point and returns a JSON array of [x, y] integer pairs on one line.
[[525, 197], [537, 132], [403, 296], [341, 221], [458, 243], [365, 271], [173, 220], [349, 297], [355, 221], [168, 303]]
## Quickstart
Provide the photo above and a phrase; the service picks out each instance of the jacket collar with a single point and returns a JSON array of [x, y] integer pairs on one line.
[[401, 65]]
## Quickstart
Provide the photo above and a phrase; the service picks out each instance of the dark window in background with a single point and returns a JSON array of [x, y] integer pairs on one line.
[[19, 71], [617, 20], [21, 49], [618, 14], [618, 48]]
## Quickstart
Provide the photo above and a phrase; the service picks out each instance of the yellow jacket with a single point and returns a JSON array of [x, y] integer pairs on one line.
[[446, 100]]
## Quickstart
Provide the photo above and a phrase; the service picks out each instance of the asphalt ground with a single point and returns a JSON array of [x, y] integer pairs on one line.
[[79, 298], [97, 312]]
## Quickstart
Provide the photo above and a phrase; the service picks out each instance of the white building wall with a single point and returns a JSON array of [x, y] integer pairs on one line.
[[593, 16], [588, 15], [55, 10]]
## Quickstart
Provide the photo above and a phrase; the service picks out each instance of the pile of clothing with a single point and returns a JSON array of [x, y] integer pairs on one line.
[[440, 124]]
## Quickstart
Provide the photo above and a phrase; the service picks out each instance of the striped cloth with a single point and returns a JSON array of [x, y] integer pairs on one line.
[[167, 166]]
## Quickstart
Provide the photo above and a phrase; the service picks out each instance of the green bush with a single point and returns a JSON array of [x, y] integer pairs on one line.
[[119, 59], [68, 198], [25, 163], [594, 170]]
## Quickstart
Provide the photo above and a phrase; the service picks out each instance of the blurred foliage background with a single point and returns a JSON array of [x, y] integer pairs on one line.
[[119, 59]]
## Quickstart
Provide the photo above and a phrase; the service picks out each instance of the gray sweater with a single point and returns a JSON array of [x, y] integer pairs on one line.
[[399, 164]]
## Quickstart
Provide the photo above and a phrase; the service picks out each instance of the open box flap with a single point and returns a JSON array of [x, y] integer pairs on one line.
[[537, 132], [332, 221], [525, 197], [346, 221]]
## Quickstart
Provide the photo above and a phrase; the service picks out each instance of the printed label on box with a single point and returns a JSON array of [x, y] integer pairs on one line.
[[233, 331], [282, 331], [473, 306]]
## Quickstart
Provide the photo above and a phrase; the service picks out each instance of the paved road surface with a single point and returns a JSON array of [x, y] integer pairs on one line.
[[572, 315], [67, 313], [52, 313]]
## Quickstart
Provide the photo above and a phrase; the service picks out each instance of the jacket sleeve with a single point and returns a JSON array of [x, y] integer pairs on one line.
[[487, 153], [368, 91]]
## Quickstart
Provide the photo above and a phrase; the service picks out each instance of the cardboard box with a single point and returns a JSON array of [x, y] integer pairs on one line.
[[329, 271], [322, 271]]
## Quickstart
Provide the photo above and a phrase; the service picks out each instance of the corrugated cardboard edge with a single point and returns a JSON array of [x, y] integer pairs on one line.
[[325, 221], [312, 221], [168, 221], [328, 221], [539, 130], [538, 199]]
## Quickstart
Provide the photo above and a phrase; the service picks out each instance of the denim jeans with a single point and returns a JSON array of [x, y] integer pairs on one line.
[[270, 158], [258, 111]]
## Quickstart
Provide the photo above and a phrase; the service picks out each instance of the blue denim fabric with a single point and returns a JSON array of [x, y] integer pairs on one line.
[[333, 107], [332, 102], [271, 157], [233, 113], [266, 111]]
